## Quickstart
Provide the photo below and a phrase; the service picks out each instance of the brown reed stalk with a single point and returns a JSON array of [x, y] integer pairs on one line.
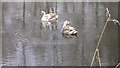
[[117, 65], [101, 35], [108, 15], [93, 58], [98, 54], [99, 61]]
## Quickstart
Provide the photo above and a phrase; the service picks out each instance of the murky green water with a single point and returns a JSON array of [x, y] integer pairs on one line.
[[26, 44]]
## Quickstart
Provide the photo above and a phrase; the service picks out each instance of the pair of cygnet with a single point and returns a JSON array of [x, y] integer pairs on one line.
[[51, 20]]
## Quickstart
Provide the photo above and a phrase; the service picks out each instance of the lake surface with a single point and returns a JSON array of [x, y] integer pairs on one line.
[[25, 43]]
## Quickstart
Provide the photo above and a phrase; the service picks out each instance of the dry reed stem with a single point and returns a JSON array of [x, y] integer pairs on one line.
[[108, 15], [101, 35], [93, 58], [115, 21], [119, 24], [117, 65], [99, 61]]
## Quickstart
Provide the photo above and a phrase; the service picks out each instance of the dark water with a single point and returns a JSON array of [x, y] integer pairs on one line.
[[25, 43]]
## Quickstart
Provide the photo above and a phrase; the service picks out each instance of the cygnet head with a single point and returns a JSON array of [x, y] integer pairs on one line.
[[66, 22], [43, 12]]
